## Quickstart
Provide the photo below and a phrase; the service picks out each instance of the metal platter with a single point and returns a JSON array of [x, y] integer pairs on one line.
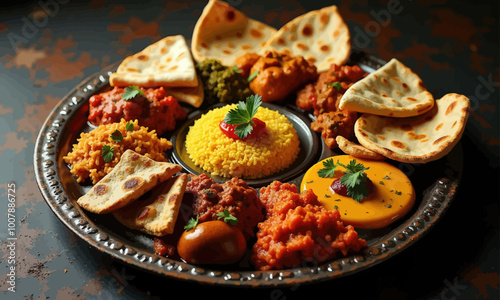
[[435, 183]]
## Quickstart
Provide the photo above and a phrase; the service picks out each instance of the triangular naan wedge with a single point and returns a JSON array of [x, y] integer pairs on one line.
[[224, 33], [190, 95], [394, 90], [356, 150], [417, 139], [133, 176], [320, 36], [157, 214], [166, 63]]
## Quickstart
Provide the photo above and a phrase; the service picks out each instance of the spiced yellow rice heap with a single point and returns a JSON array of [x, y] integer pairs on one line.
[[256, 157], [86, 159]]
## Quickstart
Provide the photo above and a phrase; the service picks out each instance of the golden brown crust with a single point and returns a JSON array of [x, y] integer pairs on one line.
[[419, 139], [157, 214], [357, 150], [133, 176]]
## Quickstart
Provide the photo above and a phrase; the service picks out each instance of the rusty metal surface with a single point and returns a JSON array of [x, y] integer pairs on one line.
[[49, 47]]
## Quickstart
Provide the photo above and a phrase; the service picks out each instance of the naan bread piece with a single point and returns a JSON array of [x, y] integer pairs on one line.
[[357, 150], [419, 139], [320, 36], [394, 90], [224, 33], [157, 214], [190, 95], [166, 63], [133, 176]]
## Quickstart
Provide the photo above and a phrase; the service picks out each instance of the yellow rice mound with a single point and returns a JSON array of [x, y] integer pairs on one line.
[[256, 157], [86, 160]]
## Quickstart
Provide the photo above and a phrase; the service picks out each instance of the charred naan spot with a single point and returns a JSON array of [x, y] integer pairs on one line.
[[246, 47], [406, 127], [415, 136], [398, 144], [172, 198], [132, 183], [395, 79], [148, 163], [144, 213], [439, 126], [135, 157], [307, 30], [336, 33], [226, 51], [381, 137], [439, 140], [255, 34], [173, 68], [169, 59], [281, 41], [363, 133], [399, 93], [451, 107], [204, 45], [100, 189], [375, 76], [229, 44], [180, 56], [293, 37], [324, 18], [384, 80], [239, 34], [411, 99], [375, 90], [421, 85], [160, 199], [163, 50], [230, 15], [132, 70], [454, 123], [424, 140], [405, 85], [384, 95], [302, 46], [325, 48], [143, 57]]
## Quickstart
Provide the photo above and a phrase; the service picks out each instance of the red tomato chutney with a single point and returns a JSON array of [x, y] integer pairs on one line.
[[299, 231], [156, 110]]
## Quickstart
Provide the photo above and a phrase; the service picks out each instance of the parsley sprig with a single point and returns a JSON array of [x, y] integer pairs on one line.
[[132, 92], [191, 224], [354, 177], [242, 116], [227, 217]]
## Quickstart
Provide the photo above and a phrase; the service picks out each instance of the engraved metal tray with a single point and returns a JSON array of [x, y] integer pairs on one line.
[[435, 184]]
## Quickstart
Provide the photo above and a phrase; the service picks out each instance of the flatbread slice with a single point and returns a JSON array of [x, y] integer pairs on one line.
[[166, 63], [419, 139], [357, 150], [191, 95], [224, 33], [157, 214], [320, 36], [394, 90], [133, 176]]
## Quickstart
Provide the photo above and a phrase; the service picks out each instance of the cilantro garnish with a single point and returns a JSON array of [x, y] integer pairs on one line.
[[227, 217], [117, 136], [107, 153], [336, 85], [129, 126], [354, 177], [242, 116], [236, 70], [132, 92], [253, 75], [191, 224]]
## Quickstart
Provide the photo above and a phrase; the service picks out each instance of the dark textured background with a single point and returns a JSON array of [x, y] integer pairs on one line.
[[452, 45]]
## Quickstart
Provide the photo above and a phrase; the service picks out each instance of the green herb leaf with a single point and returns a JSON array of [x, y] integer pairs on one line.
[[336, 85], [328, 169], [253, 75], [236, 70], [227, 217], [191, 224], [117, 136], [129, 126], [132, 92], [242, 115], [355, 179], [107, 153]]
